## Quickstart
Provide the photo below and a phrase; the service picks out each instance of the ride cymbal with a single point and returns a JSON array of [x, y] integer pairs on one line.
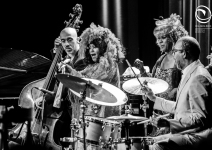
[[97, 92], [134, 87]]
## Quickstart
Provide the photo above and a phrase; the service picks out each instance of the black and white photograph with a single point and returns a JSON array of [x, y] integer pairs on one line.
[[106, 75]]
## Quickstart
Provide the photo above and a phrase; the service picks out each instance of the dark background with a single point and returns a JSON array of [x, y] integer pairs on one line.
[[34, 25]]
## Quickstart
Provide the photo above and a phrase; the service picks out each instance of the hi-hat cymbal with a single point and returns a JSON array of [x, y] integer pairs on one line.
[[101, 119], [97, 92], [127, 117], [133, 86]]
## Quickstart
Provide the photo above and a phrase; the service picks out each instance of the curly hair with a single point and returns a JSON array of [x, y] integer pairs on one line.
[[171, 28], [98, 43], [109, 45]]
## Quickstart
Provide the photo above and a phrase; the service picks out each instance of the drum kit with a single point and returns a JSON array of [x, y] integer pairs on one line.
[[106, 132]]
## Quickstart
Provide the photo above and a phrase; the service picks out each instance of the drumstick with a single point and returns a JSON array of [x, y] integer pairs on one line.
[[134, 73], [145, 121]]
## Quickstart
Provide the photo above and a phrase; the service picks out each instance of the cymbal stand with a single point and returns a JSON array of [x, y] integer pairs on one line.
[[127, 125], [83, 107], [127, 140], [144, 107]]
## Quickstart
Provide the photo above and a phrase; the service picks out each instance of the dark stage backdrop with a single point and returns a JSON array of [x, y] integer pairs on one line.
[[34, 25]]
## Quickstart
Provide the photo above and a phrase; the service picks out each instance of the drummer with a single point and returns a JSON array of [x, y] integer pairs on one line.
[[167, 32], [103, 51]]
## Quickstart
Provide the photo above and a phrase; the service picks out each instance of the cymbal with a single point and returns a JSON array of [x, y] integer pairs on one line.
[[133, 86], [127, 117], [101, 119], [97, 92]]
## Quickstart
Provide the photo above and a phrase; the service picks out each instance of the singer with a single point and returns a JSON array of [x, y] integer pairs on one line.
[[103, 51]]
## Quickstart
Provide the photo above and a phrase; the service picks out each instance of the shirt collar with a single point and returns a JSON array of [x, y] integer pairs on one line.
[[186, 70]]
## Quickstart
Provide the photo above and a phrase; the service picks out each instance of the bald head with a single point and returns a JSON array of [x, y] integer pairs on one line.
[[69, 41], [191, 46], [68, 32]]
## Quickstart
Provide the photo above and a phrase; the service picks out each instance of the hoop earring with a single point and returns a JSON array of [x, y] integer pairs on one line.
[[79, 39]]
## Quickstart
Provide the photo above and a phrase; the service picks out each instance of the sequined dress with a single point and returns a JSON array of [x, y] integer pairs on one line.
[[172, 76]]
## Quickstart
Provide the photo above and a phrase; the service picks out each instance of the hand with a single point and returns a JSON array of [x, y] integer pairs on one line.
[[57, 42], [153, 119], [63, 64], [39, 101], [148, 92], [139, 65], [210, 58], [172, 93]]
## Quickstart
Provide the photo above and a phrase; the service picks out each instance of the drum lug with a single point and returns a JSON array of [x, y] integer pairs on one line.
[[110, 140], [87, 124], [119, 129], [112, 128], [103, 127]]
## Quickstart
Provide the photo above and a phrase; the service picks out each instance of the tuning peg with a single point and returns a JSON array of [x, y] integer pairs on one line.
[[77, 27], [71, 15], [65, 22], [80, 22]]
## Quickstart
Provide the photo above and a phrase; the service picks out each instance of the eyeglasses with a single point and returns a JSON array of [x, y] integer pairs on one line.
[[175, 50]]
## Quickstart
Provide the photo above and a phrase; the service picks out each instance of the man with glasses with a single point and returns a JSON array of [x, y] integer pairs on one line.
[[191, 127]]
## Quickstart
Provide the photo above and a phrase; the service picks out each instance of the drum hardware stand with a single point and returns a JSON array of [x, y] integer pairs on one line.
[[127, 125], [83, 107], [144, 144], [144, 107], [68, 140]]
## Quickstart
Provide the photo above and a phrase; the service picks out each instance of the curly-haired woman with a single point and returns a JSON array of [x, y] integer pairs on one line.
[[102, 52]]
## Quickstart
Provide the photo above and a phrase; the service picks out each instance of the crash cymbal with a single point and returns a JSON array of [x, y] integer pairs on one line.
[[133, 86], [97, 92], [127, 117]]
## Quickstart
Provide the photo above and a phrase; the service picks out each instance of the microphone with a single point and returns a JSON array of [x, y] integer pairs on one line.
[[45, 91]]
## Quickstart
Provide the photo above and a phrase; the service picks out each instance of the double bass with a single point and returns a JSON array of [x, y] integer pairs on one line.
[[43, 129]]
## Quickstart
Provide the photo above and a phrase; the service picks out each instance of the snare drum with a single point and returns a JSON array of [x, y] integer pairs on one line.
[[98, 130]]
